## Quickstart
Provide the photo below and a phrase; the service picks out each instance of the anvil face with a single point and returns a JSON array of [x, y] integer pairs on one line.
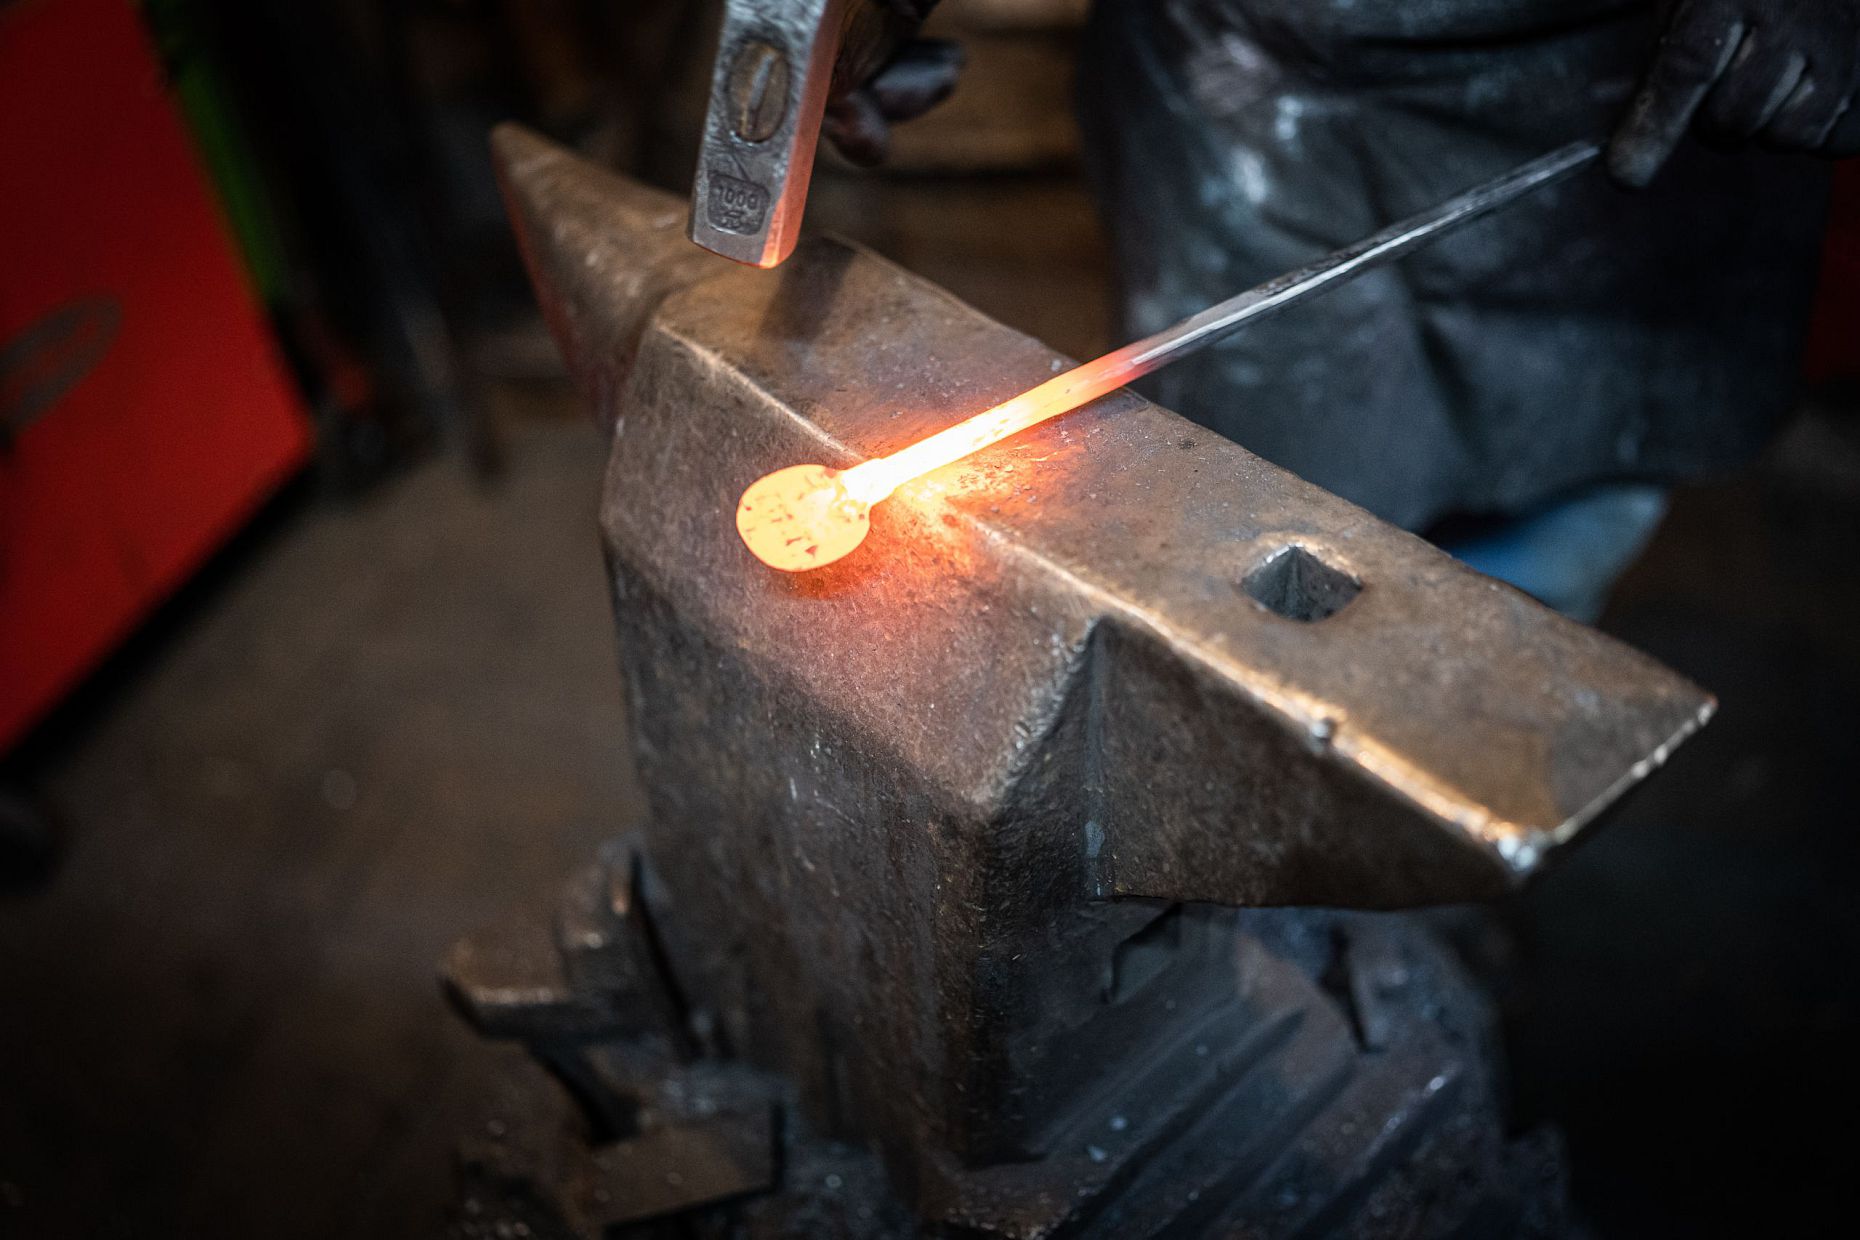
[[915, 814]]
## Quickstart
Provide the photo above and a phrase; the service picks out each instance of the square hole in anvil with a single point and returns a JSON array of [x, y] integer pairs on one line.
[[1294, 583]]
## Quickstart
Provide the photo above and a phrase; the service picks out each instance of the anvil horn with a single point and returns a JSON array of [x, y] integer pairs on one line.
[[607, 249]]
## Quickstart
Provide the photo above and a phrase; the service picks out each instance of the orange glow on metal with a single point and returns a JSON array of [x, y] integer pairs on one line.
[[807, 516]]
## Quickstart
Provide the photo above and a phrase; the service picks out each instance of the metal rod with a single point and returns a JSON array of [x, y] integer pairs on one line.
[[1391, 243], [876, 479]]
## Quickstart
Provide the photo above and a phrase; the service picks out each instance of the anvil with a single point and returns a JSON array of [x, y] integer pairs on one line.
[[936, 833]]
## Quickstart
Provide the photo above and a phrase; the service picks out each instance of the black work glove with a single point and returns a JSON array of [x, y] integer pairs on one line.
[[918, 78], [921, 75], [1784, 73]]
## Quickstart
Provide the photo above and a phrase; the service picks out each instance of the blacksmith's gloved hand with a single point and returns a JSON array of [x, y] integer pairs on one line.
[[916, 79], [1783, 73]]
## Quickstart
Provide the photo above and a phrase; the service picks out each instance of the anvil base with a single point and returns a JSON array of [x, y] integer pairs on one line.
[[1345, 1086]]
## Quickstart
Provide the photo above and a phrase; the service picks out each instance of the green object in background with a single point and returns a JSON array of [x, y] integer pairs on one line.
[[183, 38]]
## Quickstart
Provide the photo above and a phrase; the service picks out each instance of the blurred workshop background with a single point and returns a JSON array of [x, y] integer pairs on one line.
[[306, 667]]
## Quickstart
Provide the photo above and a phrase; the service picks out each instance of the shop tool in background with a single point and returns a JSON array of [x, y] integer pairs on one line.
[[144, 408]]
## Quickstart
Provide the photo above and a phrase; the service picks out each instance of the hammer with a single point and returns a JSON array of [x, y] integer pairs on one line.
[[779, 62]]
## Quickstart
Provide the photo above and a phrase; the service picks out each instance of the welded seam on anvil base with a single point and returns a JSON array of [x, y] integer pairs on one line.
[[1306, 717]]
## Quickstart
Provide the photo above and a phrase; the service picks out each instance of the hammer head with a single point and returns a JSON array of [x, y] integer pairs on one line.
[[778, 64]]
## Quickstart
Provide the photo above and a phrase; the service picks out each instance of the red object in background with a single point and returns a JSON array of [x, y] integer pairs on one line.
[[1834, 337], [144, 409]]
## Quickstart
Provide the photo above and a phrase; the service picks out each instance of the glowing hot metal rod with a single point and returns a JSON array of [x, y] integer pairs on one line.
[[806, 516]]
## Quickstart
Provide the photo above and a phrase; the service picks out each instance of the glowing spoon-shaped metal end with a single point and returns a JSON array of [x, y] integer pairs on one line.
[[802, 517]]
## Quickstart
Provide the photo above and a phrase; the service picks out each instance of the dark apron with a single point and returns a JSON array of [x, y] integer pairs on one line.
[[1586, 334]]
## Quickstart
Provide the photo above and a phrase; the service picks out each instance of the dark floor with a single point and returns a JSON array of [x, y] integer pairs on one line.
[[1694, 1020], [394, 722], [384, 722]]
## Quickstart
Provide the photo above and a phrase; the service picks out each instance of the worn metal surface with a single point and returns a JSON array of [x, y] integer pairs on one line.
[[776, 66], [918, 816]]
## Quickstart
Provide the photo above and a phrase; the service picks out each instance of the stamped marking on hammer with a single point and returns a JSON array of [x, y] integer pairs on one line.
[[735, 205]]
